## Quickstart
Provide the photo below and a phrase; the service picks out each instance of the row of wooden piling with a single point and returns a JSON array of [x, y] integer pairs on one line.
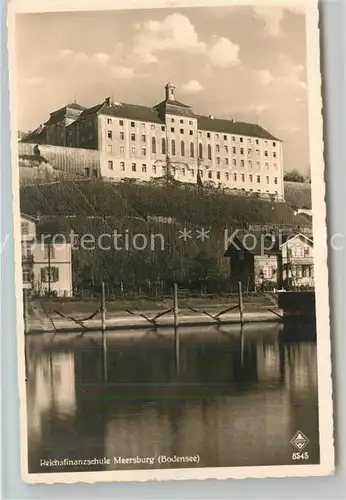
[[175, 308], [175, 305]]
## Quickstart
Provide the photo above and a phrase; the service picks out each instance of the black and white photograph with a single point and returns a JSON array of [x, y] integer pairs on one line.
[[171, 240]]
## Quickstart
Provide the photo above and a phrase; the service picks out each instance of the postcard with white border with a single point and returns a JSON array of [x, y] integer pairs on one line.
[[171, 243]]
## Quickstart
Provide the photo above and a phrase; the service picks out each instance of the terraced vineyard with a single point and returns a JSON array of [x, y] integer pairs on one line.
[[298, 194], [98, 208], [185, 204]]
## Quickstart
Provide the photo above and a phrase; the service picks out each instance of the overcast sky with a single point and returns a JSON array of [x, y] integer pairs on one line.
[[234, 62]]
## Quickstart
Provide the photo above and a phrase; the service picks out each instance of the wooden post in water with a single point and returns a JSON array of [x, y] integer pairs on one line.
[[103, 306], [104, 335], [242, 344], [104, 357], [176, 350], [176, 329], [240, 302], [175, 304]]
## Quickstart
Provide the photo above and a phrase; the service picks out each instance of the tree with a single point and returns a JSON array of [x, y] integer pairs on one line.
[[54, 226], [294, 176], [199, 181], [169, 171], [203, 270]]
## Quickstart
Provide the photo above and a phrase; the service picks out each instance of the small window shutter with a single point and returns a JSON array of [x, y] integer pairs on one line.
[[55, 274]]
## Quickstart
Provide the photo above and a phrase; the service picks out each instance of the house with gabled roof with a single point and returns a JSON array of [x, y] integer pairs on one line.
[[297, 261], [270, 260], [46, 262]]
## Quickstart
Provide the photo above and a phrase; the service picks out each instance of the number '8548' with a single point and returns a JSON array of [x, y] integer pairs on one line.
[[300, 455]]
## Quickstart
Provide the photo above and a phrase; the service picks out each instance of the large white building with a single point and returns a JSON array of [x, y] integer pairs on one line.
[[140, 142]]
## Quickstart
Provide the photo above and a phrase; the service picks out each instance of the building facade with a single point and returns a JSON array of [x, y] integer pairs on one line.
[[28, 238], [53, 269], [139, 142], [260, 260], [46, 267], [297, 261]]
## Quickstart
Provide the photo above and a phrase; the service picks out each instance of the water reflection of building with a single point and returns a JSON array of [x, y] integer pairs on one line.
[[301, 368], [269, 362], [232, 430], [248, 425], [50, 388], [236, 400], [301, 382]]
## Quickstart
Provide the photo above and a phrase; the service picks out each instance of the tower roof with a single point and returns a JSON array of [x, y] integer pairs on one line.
[[59, 114]]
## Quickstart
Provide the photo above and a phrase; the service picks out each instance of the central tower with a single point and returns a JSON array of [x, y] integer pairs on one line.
[[170, 89]]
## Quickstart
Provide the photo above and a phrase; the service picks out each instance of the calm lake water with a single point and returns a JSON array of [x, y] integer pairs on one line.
[[235, 399]]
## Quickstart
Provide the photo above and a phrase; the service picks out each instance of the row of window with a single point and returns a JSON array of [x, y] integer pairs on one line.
[[24, 228], [299, 251], [267, 272], [49, 250], [241, 163], [234, 150], [26, 249], [241, 177], [48, 275], [241, 139], [181, 120], [183, 149], [183, 171], [182, 131], [190, 122], [133, 124], [302, 271], [27, 275], [143, 139]]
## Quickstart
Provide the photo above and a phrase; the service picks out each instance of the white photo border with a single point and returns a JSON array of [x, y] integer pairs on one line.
[[325, 402]]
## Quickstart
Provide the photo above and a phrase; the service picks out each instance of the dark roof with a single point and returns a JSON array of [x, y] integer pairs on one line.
[[29, 217], [35, 134], [134, 111], [156, 115], [173, 108], [233, 127], [59, 114], [123, 110], [170, 102], [305, 236], [71, 105], [90, 111], [75, 105]]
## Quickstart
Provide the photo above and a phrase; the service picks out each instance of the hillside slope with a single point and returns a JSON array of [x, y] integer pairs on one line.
[[99, 209], [184, 204], [298, 194]]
